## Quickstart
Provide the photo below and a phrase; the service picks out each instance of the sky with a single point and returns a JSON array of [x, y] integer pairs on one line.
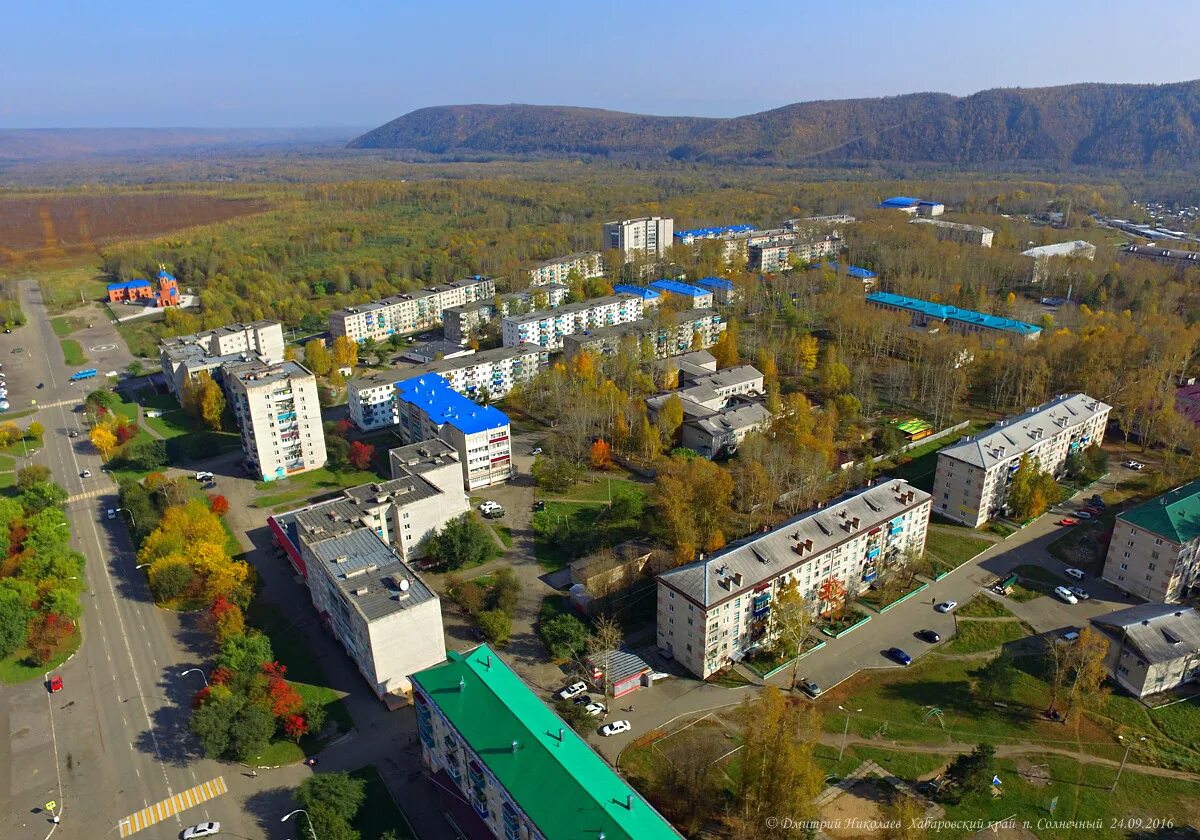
[[261, 63]]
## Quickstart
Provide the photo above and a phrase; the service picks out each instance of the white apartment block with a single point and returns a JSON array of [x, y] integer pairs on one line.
[[958, 232], [587, 264], [547, 329], [772, 251], [407, 313], [714, 611], [279, 416], [650, 235], [427, 407], [386, 618], [678, 333], [186, 355], [461, 323], [486, 375], [973, 476], [1154, 552]]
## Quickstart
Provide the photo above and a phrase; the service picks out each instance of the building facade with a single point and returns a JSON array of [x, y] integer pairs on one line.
[[723, 291], [924, 313], [279, 416], [774, 251], [505, 766], [672, 334], [714, 611], [461, 323], [407, 313], [427, 407], [1152, 648], [974, 475], [547, 329], [186, 355], [646, 235], [1154, 552], [586, 264], [958, 232]]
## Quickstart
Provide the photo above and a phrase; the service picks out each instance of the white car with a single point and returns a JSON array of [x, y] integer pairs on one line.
[[1075, 574], [615, 728], [86, 474], [1066, 594], [203, 830], [1135, 465], [204, 476], [489, 506], [537, 450], [595, 709], [946, 606], [572, 690], [111, 513]]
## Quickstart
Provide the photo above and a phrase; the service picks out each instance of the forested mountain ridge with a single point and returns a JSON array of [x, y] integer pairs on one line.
[[1108, 125]]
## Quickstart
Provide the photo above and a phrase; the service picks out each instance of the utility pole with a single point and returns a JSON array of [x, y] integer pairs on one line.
[[1124, 759]]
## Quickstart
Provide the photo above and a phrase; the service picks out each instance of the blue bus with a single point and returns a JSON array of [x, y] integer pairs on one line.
[[79, 376]]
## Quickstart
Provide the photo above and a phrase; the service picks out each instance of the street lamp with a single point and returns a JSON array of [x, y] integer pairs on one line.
[[1124, 758], [132, 521], [287, 817], [845, 730], [198, 671], [142, 566]]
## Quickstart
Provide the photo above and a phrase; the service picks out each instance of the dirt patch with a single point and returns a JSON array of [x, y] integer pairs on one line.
[[53, 226], [857, 811], [1035, 774]]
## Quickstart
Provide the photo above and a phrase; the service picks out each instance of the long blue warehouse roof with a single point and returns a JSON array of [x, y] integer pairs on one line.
[[899, 201], [715, 283], [678, 288], [433, 395], [704, 233], [128, 284], [644, 294], [854, 271], [953, 313]]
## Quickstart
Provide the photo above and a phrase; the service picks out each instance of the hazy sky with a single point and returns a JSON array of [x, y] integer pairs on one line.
[[350, 63]]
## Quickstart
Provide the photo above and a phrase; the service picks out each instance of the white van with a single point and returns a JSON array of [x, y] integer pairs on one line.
[[204, 476]]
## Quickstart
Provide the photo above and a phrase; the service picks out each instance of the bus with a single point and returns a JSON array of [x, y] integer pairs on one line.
[[81, 375]]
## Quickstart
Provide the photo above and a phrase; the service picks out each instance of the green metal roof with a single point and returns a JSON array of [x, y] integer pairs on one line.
[[1174, 515], [568, 791]]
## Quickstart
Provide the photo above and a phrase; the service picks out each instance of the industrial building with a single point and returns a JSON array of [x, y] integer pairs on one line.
[[505, 766], [973, 476], [1043, 254], [644, 236], [409, 312], [184, 356], [925, 314], [913, 206], [279, 416], [1154, 552], [586, 265], [958, 232], [718, 609], [672, 334], [1152, 648], [547, 329]]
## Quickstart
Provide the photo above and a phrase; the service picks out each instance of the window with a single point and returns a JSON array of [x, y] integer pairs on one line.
[[1124, 567], [1154, 554], [1151, 567]]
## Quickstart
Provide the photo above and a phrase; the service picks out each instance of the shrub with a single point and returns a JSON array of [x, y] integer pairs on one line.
[[171, 579], [496, 625]]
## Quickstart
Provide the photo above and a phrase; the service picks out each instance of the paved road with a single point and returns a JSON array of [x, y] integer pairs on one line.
[[114, 740]]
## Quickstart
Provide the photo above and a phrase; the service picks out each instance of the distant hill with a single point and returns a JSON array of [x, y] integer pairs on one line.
[[69, 143], [1085, 124]]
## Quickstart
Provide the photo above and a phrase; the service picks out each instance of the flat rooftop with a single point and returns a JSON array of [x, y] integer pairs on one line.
[[374, 580], [258, 374], [443, 405], [942, 312]]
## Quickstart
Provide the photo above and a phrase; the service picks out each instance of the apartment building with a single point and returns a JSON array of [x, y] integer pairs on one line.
[[386, 618], [409, 312], [732, 237], [186, 355], [913, 206], [279, 416], [973, 476], [774, 251], [716, 610], [507, 767], [719, 407], [650, 298], [697, 297], [1152, 648], [461, 323], [668, 334], [547, 329], [427, 407], [587, 264], [646, 235], [925, 314], [867, 277], [808, 222], [1154, 552], [958, 232], [1042, 256], [723, 291]]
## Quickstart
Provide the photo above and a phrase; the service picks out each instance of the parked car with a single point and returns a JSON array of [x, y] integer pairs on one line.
[[1075, 574], [572, 690], [1079, 592], [55, 684], [204, 476], [537, 450], [810, 688], [1135, 465], [595, 709], [930, 636], [110, 513], [899, 655], [203, 830], [582, 700], [1096, 501], [946, 606], [1090, 510], [1066, 520], [1065, 594], [494, 513], [539, 505], [41, 385], [615, 728], [1070, 636], [74, 433], [484, 507], [1083, 514], [86, 474]]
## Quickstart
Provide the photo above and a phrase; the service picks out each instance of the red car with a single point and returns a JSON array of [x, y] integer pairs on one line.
[[1068, 521], [55, 684]]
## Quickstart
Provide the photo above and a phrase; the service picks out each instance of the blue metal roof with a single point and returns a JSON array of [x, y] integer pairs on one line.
[[164, 275], [644, 294], [128, 284], [899, 201], [707, 232], [953, 313], [715, 283], [854, 271], [678, 288], [433, 395]]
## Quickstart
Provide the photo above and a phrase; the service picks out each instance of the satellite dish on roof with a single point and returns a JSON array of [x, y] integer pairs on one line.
[[403, 584]]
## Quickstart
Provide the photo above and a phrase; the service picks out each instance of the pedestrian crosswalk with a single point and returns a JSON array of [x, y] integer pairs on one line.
[[88, 494], [167, 808]]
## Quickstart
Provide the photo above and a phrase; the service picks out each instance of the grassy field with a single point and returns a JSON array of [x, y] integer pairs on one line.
[[580, 522], [981, 606], [505, 534], [379, 813], [953, 549], [920, 463], [142, 336], [72, 352], [978, 636], [64, 326], [63, 287], [14, 670], [302, 486]]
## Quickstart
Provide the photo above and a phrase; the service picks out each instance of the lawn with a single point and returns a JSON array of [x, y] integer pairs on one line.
[[505, 534], [569, 529], [305, 485], [142, 335], [66, 288], [72, 352], [889, 592], [597, 490], [379, 813], [981, 606], [978, 636], [953, 549], [64, 326], [920, 463], [1036, 577], [14, 670]]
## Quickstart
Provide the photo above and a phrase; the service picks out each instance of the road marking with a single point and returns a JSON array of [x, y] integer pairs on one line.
[[172, 805], [88, 494]]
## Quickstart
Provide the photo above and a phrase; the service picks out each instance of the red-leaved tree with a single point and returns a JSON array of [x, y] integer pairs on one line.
[[342, 428], [124, 433], [283, 697], [201, 697], [46, 633], [218, 504], [361, 455], [295, 726]]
